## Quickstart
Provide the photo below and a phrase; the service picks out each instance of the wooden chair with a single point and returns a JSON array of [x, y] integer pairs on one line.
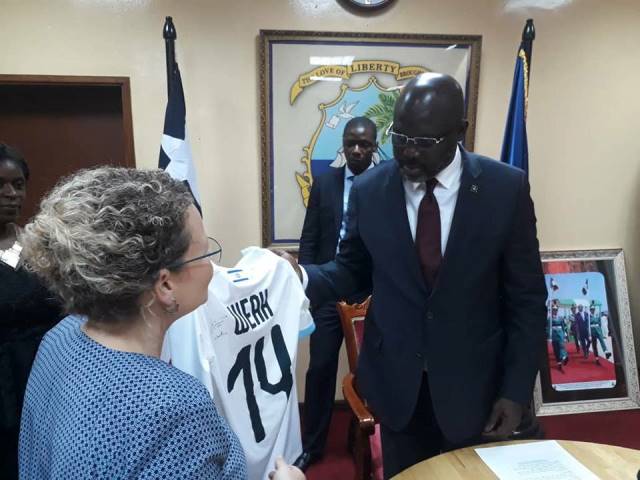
[[352, 317]]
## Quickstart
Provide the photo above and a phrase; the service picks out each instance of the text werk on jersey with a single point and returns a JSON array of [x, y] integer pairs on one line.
[[250, 312]]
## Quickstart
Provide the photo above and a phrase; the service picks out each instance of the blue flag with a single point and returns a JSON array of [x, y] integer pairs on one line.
[[515, 150], [175, 152]]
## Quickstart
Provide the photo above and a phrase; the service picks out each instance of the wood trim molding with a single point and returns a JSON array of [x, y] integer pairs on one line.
[[127, 124], [61, 80]]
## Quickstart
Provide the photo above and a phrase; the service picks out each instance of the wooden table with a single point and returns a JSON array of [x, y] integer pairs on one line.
[[606, 461]]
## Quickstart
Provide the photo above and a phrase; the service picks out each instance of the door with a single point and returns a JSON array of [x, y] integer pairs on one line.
[[62, 124]]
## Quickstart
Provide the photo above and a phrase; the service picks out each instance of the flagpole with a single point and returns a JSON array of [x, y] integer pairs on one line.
[[528, 36], [169, 35]]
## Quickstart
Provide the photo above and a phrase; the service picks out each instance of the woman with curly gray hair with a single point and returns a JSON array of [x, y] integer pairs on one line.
[[127, 253]]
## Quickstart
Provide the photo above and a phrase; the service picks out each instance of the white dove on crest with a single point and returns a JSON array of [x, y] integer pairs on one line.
[[344, 113]]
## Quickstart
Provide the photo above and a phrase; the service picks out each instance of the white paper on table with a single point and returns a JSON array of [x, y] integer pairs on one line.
[[545, 460]]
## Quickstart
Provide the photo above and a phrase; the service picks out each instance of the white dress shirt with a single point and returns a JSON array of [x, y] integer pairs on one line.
[[446, 193]]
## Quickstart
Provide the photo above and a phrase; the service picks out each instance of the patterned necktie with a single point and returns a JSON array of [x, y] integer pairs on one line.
[[428, 234]]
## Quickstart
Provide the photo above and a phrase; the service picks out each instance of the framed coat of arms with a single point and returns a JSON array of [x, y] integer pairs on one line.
[[313, 83]]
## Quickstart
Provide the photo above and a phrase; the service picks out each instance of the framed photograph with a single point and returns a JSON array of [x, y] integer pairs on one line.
[[312, 83], [589, 363]]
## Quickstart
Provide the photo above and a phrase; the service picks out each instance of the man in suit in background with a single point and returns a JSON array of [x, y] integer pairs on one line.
[[582, 324], [574, 327], [324, 225], [457, 321]]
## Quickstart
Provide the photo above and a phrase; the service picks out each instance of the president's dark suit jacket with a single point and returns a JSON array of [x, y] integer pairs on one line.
[[479, 330]]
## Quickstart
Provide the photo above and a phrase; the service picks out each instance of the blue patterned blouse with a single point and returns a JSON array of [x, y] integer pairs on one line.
[[93, 412]]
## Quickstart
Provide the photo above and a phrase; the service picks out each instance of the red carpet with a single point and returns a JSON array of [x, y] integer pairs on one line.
[[579, 369], [337, 463], [614, 428]]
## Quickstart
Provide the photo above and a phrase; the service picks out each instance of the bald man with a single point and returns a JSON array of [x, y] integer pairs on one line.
[[448, 240]]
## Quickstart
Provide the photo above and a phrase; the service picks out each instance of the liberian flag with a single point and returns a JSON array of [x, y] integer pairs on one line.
[[175, 152]]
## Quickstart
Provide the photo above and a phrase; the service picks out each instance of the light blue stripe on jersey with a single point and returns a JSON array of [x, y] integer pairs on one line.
[[307, 331], [240, 279]]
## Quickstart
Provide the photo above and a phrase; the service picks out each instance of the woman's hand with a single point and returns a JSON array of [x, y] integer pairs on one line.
[[286, 472]]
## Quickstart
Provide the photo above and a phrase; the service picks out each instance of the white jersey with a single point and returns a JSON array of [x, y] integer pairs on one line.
[[242, 344]]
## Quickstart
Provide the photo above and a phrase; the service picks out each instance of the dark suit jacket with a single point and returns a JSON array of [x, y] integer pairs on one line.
[[480, 329], [582, 319], [323, 219]]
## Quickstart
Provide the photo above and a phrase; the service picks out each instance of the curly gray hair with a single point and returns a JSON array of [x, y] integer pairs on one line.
[[102, 235]]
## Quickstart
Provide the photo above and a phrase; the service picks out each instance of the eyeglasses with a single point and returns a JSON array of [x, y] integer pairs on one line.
[[401, 140], [214, 248]]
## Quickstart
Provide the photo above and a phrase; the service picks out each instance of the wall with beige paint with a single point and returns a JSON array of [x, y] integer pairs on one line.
[[584, 138]]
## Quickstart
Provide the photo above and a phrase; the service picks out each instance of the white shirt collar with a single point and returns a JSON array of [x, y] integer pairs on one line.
[[447, 177]]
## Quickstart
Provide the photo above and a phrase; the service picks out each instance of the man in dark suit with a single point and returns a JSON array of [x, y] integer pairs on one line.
[[457, 320], [582, 322], [574, 327], [323, 226]]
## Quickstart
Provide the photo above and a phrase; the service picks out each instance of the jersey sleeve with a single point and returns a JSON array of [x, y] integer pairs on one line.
[[307, 326]]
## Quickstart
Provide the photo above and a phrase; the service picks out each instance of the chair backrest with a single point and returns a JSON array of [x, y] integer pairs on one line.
[[352, 318]]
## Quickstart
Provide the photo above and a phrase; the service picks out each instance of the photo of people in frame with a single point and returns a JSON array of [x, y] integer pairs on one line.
[[579, 344], [587, 358]]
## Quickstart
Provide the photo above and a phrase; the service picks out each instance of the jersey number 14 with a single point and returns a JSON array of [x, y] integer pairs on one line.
[[243, 365]]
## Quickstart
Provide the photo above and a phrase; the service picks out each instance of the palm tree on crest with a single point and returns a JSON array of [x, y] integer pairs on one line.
[[382, 113]]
